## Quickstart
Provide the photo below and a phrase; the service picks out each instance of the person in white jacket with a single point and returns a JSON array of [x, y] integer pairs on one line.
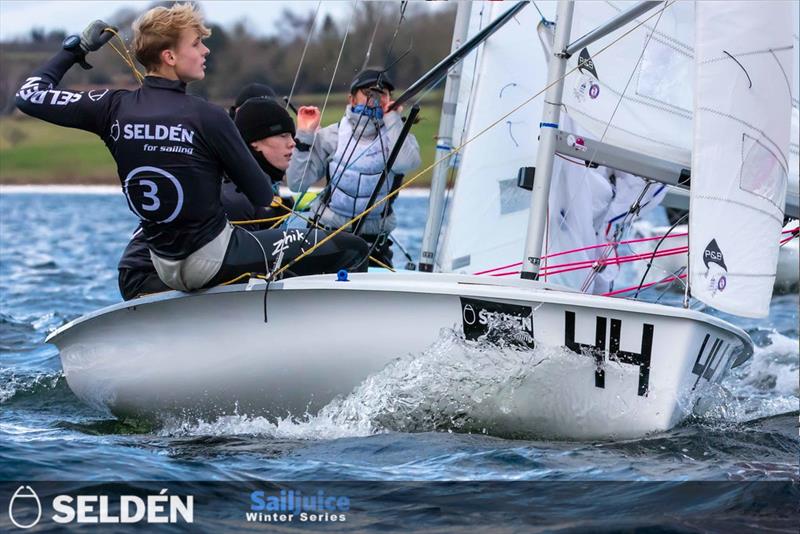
[[351, 155]]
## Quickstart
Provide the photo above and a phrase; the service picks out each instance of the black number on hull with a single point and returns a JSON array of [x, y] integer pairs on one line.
[[598, 350], [703, 368]]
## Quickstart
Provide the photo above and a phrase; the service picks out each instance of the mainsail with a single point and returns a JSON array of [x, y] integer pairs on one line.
[[740, 164]]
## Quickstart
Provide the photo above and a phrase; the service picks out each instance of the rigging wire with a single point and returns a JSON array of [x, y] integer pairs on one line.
[[330, 88], [655, 251], [368, 54], [303, 55], [621, 227], [403, 6], [467, 142]]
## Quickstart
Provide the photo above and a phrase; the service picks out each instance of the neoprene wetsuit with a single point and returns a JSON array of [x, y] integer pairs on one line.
[[171, 149]]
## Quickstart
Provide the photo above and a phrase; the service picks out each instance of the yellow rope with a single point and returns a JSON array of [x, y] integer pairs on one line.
[[458, 148], [243, 275], [279, 218], [126, 57]]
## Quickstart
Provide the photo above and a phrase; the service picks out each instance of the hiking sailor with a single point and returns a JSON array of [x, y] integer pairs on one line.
[[171, 149], [268, 129], [351, 155]]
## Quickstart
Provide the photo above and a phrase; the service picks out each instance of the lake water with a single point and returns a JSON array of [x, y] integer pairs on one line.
[[58, 255]]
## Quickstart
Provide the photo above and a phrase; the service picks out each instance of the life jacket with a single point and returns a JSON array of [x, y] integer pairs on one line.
[[352, 186]]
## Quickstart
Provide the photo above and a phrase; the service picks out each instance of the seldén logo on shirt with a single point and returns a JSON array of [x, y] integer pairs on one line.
[[157, 132]]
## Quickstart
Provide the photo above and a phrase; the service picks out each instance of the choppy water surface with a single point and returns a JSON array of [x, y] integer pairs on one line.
[[418, 419]]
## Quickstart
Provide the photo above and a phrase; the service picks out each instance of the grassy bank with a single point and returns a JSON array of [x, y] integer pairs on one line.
[[35, 152]]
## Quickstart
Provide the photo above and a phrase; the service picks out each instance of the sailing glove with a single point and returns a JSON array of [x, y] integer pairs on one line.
[[95, 35]]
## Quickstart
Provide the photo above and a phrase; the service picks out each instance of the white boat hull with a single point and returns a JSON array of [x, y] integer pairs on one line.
[[212, 353]]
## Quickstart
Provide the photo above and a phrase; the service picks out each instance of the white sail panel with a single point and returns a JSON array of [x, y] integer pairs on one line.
[[488, 212], [638, 93], [742, 117]]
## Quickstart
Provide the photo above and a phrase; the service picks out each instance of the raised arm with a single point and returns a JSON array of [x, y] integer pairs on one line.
[[308, 163], [40, 96]]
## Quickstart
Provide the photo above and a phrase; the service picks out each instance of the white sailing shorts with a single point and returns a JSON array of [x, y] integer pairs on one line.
[[195, 270]]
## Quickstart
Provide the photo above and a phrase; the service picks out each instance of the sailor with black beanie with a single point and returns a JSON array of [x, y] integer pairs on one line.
[[251, 90], [269, 131]]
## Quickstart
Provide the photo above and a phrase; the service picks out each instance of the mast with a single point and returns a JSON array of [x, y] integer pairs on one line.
[[444, 144], [547, 143], [548, 137]]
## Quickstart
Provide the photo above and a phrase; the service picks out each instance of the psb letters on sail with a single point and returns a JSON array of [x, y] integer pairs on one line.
[[740, 163]]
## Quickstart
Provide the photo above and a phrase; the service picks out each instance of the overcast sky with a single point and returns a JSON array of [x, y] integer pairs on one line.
[[17, 17]]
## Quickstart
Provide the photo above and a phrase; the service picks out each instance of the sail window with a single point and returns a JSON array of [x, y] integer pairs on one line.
[[512, 197], [762, 172]]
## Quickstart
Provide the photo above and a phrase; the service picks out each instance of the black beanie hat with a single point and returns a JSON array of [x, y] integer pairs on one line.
[[262, 117], [251, 90]]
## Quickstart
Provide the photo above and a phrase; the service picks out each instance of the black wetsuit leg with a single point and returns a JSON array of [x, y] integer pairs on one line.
[[247, 251], [137, 282]]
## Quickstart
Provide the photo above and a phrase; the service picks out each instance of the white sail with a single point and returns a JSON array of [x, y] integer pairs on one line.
[[643, 83], [638, 92], [488, 212], [742, 103]]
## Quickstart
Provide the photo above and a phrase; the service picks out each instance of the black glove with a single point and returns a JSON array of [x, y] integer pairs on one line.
[[95, 36]]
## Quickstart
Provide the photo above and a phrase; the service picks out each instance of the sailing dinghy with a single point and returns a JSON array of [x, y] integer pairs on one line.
[[613, 368]]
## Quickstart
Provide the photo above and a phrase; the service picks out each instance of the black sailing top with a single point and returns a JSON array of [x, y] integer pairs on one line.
[[170, 148]]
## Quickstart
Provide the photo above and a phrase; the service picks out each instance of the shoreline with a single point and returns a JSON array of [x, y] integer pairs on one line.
[[62, 189]]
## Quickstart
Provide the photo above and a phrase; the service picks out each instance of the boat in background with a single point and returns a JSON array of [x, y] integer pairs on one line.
[[601, 368]]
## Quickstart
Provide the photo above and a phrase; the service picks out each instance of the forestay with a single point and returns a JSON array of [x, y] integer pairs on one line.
[[742, 118]]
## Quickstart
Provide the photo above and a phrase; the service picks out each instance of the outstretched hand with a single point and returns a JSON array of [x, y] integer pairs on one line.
[[308, 118], [95, 35]]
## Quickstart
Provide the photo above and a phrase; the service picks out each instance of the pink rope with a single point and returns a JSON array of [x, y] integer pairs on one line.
[[585, 264], [582, 249]]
